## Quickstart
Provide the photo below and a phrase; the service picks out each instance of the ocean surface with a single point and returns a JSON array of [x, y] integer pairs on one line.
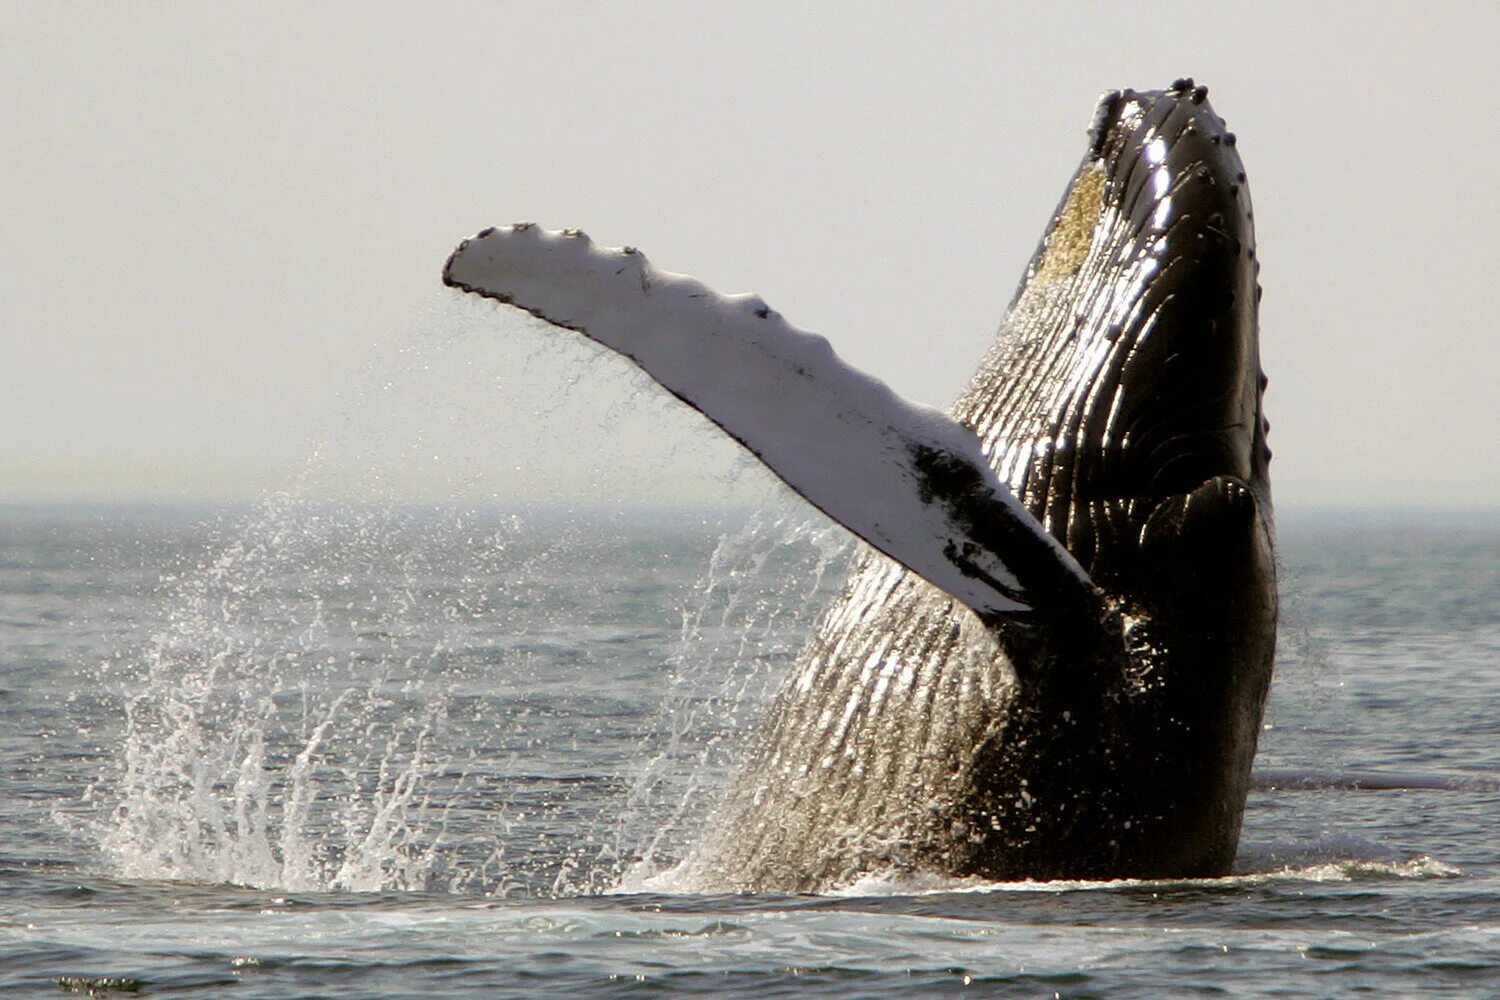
[[308, 750]]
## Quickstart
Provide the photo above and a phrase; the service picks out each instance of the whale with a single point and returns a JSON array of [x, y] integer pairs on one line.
[[1051, 656]]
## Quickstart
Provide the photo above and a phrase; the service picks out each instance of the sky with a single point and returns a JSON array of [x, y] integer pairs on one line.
[[224, 225]]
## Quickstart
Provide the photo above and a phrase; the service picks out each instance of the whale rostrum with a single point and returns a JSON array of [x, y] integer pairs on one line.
[[1053, 660]]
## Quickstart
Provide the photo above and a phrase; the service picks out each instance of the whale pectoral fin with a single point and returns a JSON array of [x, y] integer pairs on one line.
[[905, 478]]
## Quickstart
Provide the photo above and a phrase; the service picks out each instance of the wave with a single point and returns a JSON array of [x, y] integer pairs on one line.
[[1330, 858], [1293, 779]]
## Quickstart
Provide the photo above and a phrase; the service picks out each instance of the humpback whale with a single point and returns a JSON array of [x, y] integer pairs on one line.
[[1053, 658]]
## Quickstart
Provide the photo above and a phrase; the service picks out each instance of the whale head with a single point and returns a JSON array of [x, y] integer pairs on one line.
[[1122, 404], [1128, 369]]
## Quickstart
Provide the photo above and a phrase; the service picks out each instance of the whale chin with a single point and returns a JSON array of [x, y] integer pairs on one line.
[[1053, 659]]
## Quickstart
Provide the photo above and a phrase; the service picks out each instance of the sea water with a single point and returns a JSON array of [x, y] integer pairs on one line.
[[323, 750]]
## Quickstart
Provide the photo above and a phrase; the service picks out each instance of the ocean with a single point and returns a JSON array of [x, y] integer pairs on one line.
[[322, 750]]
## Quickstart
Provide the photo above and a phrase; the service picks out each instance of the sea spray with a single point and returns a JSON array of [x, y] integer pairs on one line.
[[346, 687], [758, 598], [284, 726]]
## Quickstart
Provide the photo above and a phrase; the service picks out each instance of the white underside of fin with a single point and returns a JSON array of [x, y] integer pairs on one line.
[[840, 438]]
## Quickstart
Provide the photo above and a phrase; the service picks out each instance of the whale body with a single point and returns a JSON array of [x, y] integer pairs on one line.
[[1053, 659]]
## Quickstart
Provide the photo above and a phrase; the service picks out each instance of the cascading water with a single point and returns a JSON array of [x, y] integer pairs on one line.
[[373, 695], [763, 588], [285, 726]]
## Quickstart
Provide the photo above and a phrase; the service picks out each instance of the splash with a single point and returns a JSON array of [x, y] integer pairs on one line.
[[349, 689], [746, 623], [286, 726]]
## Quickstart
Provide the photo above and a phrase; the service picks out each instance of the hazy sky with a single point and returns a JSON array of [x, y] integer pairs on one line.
[[224, 224]]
